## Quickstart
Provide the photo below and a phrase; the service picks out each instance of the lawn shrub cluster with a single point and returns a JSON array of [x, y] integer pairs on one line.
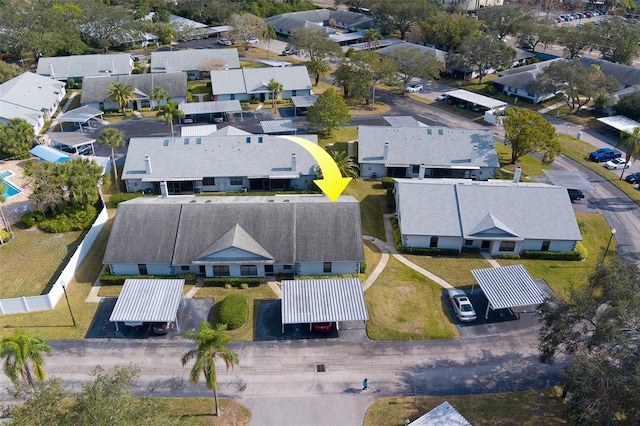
[[4, 235], [508, 256], [575, 255], [234, 310], [107, 278], [232, 282], [70, 218], [387, 182], [330, 277], [29, 220], [116, 199], [419, 251]]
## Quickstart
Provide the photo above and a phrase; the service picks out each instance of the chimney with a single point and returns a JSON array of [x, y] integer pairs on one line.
[[421, 171], [113, 66], [51, 74], [474, 152], [147, 165], [166, 64], [164, 192], [385, 153], [517, 174], [293, 162]]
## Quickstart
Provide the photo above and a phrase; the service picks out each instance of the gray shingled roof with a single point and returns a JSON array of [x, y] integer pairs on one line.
[[521, 80], [95, 89], [255, 80], [531, 67], [236, 242], [148, 301], [488, 210], [194, 59], [625, 74], [64, 67], [425, 145], [216, 156], [289, 229], [330, 300], [443, 415], [391, 50], [293, 20], [227, 82]]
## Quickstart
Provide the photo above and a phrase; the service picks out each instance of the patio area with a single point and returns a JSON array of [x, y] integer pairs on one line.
[[15, 206]]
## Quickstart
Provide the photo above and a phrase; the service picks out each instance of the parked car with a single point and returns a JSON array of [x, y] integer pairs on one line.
[[322, 327], [413, 88], [218, 117], [526, 44], [65, 148], [462, 305], [442, 97], [604, 154], [290, 51], [160, 328], [575, 194], [253, 40], [224, 42], [633, 178], [85, 150], [616, 164]]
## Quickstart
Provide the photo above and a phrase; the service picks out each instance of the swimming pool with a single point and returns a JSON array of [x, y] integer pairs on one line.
[[11, 190]]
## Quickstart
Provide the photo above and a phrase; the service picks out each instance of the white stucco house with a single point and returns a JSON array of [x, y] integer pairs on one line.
[[499, 217], [30, 97], [426, 152], [224, 163], [251, 83], [236, 236]]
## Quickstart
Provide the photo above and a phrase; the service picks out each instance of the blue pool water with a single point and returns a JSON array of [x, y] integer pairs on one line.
[[11, 190]]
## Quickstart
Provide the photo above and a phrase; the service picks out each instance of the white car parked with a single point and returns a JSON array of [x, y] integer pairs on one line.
[[462, 305], [413, 88], [617, 163]]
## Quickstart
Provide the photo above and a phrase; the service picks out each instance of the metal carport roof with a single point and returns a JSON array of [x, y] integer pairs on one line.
[[620, 122], [304, 101], [477, 99], [569, 179], [154, 300], [210, 107], [278, 126], [508, 287], [327, 300], [72, 139], [79, 115]]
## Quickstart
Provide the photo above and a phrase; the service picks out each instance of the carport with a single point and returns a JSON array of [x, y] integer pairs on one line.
[[620, 123], [278, 127], [193, 109], [49, 154], [475, 99], [327, 300], [303, 102], [508, 287], [72, 140], [148, 301], [80, 116], [569, 180]]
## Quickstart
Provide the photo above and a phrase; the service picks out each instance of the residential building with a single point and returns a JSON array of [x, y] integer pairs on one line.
[[236, 236], [499, 217], [251, 83], [332, 20], [77, 67], [197, 63], [226, 163], [426, 152], [391, 50]]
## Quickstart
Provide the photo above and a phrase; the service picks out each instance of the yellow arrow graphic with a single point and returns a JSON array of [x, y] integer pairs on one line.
[[332, 182]]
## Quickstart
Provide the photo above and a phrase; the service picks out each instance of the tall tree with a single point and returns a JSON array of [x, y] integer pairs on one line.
[[631, 143], [9, 71], [246, 26], [618, 40], [348, 166], [329, 112], [23, 352], [412, 63], [629, 106], [16, 138], [169, 111], [122, 94], [598, 326], [114, 138], [318, 67], [211, 346], [526, 132], [315, 42], [575, 39], [268, 33], [505, 20], [485, 53], [372, 69], [275, 88], [157, 95], [371, 37]]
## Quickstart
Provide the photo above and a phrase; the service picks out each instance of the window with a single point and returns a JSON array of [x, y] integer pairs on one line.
[[415, 168], [545, 245], [142, 269], [326, 267], [468, 242], [221, 271], [232, 97], [507, 246], [286, 267], [246, 270], [208, 181], [236, 180], [185, 268], [434, 242]]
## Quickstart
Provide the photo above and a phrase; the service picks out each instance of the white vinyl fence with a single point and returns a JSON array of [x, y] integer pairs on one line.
[[18, 305]]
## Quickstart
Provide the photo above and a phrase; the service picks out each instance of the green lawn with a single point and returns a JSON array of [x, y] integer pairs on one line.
[[372, 257], [530, 165], [404, 305], [513, 408], [373, 205], [455, 270], [198, 411], [339, 138]]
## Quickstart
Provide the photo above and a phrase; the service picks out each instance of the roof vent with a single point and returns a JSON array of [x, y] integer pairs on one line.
[[193, 201], [208, 201], [269, 201], [285, 201]]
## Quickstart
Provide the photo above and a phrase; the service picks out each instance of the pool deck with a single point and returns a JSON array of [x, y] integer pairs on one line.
[[14, 207]]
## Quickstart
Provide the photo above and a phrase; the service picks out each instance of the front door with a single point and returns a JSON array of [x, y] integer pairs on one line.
[[486, 245]]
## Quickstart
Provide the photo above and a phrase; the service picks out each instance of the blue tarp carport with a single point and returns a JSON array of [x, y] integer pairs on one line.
[[49, 154]]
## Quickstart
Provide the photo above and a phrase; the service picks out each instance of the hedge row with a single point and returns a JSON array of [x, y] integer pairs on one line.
[[330, 277], [116, 199], [580, 253], [107, 278], [234, 311], [233, 282], [430, 251]]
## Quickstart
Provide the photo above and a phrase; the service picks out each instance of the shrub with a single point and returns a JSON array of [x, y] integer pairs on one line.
[[330, 277], [391, 199], [387, 182], [29, 219], [508, 256], [552, 255], [70, 218], [490, 89], [420, 251], [581, 250], [107, 278], [116, 199], [233, 282], [4, 235], [363, 268], [234, 311]]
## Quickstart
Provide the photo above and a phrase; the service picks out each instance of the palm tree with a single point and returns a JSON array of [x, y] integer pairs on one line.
[[318, 67], [372, 37], [169, 111], [275, 87], [268, 33], [631, 141], [20, 350], [212, 345], [122, 94], [347, 166], [157, 94], [114, 138]]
